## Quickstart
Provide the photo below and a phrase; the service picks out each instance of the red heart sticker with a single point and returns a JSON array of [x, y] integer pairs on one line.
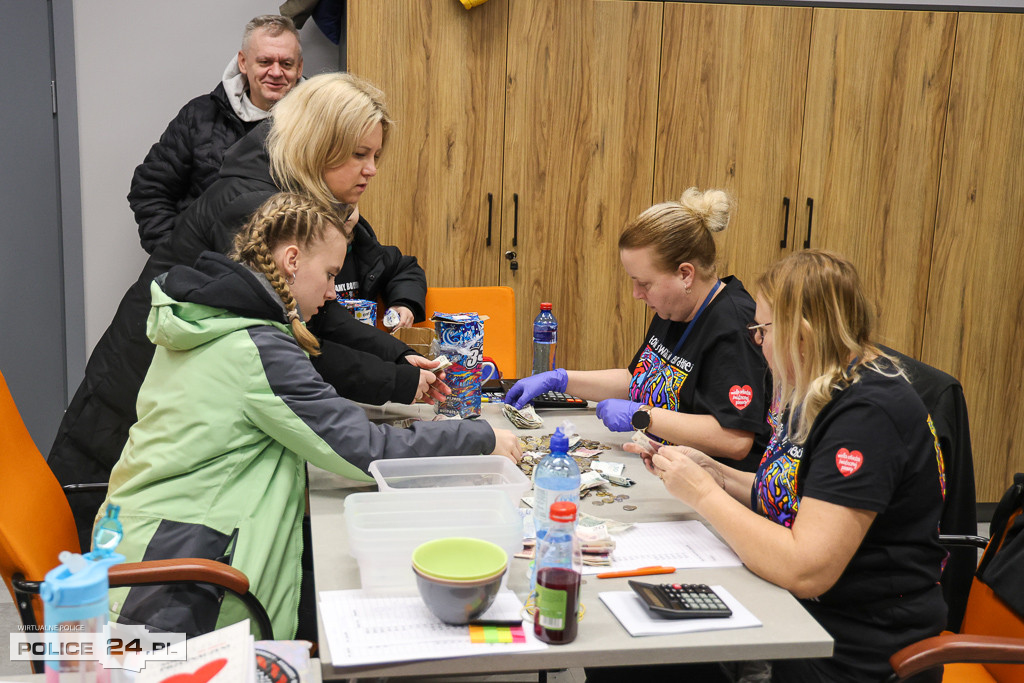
[[740, 396], [848, 462], [201, 675]]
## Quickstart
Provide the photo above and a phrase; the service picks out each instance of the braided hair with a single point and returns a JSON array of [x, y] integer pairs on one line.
[[292, 218]]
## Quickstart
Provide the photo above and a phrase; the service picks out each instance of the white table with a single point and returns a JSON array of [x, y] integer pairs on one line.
[[788, 631]]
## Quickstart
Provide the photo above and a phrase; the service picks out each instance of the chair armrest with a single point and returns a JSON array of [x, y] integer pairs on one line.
[[193, 570], [958, 540], [187, 570], [85, 488], [949, 648]]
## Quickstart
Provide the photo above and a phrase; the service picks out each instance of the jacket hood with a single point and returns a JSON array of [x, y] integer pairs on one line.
[[193, 306], [236, 87], [248, 158]]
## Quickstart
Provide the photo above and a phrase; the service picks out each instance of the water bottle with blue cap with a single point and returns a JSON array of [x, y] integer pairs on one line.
[[76, 601], [556, 478]]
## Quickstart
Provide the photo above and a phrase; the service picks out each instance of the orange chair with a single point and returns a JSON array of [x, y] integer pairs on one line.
[[990, 644], [497, 303], [36, 525]]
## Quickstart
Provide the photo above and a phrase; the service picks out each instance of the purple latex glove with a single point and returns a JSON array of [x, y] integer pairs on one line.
[[617, 413], [528, 388]]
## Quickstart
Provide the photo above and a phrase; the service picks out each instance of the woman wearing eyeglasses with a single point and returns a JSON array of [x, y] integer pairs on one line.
[[698, 379], [844, 508]]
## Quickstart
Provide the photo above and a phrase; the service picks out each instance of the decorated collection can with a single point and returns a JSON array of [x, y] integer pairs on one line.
[[391, 318], [460, 337], [363, 310]]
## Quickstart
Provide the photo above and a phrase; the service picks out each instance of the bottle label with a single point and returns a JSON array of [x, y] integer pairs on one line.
[[551, 608], [545, 336]]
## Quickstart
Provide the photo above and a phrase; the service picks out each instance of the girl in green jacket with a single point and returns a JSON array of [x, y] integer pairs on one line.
[[230, 412]]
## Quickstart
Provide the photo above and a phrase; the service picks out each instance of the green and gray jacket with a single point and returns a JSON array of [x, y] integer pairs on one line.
[[229, 413]]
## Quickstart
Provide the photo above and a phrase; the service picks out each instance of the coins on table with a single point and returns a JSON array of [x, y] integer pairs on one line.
[[605, 497]]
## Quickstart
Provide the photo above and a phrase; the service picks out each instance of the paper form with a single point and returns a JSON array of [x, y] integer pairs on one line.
[[684, 545], [634, 616], [376, 629]]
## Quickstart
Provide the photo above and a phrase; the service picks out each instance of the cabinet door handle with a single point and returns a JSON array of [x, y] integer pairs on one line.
[[810, 218], [515, 220], [490, 216], [785, 225]]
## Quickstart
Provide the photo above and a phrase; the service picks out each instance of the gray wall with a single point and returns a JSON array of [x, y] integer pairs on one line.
[[137, 63]]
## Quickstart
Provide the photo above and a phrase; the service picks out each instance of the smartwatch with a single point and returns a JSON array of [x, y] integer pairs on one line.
[[642, 418]]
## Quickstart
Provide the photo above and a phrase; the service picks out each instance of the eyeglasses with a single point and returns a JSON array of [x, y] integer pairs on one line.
[[756, 332]]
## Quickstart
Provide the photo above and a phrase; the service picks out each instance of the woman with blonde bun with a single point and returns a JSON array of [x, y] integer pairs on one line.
[[698, 379]]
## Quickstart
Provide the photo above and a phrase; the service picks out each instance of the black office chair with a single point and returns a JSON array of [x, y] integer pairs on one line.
[[942, 394]]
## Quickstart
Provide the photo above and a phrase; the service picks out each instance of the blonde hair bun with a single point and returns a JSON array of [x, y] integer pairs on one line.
[[712, 207]]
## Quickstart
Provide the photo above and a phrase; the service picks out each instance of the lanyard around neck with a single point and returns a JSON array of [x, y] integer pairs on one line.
[[693, 323]]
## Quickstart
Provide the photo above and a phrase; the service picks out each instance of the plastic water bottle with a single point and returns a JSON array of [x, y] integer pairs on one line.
[[560, 569], [75, 602], [545, 337], [556, 479]]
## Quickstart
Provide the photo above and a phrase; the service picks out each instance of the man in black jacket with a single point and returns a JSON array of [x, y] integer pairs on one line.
[[186, 159]]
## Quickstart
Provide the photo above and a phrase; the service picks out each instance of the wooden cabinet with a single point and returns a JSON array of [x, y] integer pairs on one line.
[[837, 128], [877, 88], [730, 116], [443, 72], [541, 127], [534, 118], [974, 328], [580, 114]]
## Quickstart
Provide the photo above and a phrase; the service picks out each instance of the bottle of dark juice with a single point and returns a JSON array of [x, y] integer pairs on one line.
[[559, 570]]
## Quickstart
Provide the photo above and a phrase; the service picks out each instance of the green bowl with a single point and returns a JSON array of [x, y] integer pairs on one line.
[[459, 559], [458, 602]]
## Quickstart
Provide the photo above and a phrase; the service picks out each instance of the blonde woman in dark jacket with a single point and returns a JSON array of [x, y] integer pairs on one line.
[[322, 141]]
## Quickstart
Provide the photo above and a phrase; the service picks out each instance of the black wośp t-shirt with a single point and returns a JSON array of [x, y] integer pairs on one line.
[[718, 371]]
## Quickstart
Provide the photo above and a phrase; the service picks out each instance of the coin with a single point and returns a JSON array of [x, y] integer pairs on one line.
[[598, 502], [629, 508]]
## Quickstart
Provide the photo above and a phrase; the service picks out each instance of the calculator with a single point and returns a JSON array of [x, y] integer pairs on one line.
[[681, 600], [550, 399], [556, 399]]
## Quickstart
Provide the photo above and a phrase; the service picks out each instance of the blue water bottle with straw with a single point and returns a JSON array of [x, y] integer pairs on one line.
[[75, 602]]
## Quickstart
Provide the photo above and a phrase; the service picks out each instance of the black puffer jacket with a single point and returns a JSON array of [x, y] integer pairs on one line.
[[363, 363], [183, 163]]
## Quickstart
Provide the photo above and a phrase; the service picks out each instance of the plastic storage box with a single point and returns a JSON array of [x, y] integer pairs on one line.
[[473, 472], [385, 527]]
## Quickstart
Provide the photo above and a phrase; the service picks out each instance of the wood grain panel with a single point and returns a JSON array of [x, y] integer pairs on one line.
[[730, 116], [580, 116], [877, 91], [975, 321], [443, 70]]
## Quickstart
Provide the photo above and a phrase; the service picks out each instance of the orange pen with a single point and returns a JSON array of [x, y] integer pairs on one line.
[[642, 571]]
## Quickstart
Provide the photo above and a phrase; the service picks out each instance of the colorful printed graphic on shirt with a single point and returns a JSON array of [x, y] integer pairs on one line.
[[775, 481], [656, 381], [939, 460]]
